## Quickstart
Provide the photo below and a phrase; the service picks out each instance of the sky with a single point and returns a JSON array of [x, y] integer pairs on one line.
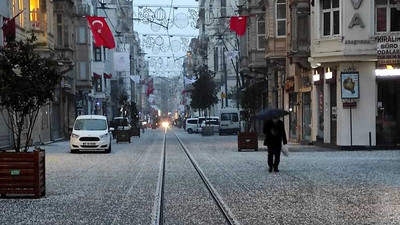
[[165, 49]]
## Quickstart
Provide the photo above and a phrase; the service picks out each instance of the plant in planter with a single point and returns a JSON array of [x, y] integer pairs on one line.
[[204, 93], [250, 100], [27, 82]]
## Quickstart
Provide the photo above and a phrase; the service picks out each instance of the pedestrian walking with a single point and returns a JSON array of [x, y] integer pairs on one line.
[[275, 135]]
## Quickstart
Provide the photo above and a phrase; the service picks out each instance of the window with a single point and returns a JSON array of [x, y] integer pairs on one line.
[[34, 10], [223, 8], [330, 17], [303, 33], [82, 70], [17, 6], [261, 33], [192, 121], [59, 22], [97, 53], [99, 87], [281, 18], [14, 8], [81, 35], [104, 53], [387, 16], [20, 8], [62, 31], [90, 124], [230, 117]]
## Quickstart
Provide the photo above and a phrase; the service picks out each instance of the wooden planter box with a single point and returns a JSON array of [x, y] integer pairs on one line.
[[123, 135], [23, 174], [247, 140], [135, 132]]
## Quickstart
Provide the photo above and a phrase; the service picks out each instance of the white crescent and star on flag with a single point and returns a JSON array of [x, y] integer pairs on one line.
[[97, 27]]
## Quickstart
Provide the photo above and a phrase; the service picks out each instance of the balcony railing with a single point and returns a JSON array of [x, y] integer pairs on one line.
[[83, 9]]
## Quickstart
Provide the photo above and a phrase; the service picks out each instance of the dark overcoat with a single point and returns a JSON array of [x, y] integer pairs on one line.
[[274, 135]]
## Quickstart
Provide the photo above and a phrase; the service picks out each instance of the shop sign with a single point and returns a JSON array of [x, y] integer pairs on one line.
[[289, 84], [388, 49], [350, 85], [358, 42], [321, 101], [349, 104]]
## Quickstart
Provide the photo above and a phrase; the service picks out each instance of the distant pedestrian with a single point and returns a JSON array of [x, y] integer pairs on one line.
[[274, 136]]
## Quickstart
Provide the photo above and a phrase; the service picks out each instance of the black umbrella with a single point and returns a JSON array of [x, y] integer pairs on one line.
[[269, 114]]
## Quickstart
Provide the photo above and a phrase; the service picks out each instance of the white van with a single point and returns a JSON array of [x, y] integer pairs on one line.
[[202, 119], [91, 132], [191, 125], [229, 121]]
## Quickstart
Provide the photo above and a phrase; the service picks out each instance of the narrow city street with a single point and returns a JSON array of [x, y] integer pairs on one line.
[[312, 187]]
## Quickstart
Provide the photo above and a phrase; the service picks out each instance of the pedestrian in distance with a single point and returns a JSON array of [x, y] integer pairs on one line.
[[275, 135]]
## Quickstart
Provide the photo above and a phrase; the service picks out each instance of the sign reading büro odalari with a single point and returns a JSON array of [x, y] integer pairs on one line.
[[388, 49]]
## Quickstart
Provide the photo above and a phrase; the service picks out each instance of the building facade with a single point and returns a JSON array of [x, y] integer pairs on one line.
[[357, 41], [214, 30], [297, 83], [5, 138], [253, 66]]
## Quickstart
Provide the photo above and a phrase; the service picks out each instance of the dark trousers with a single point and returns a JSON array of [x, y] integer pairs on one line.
[[274, 157]]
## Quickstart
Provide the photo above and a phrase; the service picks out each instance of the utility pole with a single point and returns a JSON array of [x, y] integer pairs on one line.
[[226, 73]]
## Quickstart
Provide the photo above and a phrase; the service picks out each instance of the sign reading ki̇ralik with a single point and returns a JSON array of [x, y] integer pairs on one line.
[[388, 49]]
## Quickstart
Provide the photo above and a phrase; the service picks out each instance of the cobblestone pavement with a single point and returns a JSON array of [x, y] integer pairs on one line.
[[94, 188], [315, 187]]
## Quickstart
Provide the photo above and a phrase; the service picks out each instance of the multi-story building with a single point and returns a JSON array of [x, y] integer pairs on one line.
[[253, 67], [36, 17], [298, 78], [63, 110], [5, 138], [84, 46], [358, 41], [275, 49], [214, 30]]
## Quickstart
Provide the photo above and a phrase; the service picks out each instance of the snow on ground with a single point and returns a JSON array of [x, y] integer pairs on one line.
[[313, 187]]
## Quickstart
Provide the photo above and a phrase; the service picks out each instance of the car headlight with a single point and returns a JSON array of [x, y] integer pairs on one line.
[[74, 135], [104, 135]]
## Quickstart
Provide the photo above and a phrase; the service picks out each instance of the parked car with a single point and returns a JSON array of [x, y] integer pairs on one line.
[[213, 123], [191, 125], [229, 122], [90, 132]]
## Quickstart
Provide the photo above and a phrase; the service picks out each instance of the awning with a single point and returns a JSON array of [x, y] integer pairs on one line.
[[107, 76], [96, 75]]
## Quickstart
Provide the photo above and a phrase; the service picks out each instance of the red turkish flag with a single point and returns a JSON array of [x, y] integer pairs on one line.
[[8, 29], [150, 88], [238, 24], [101, 32]]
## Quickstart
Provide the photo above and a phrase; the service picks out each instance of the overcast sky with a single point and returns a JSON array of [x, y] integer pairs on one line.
[[154, 31]]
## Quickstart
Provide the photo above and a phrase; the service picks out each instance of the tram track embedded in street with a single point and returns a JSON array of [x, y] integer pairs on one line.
[[158, 215]]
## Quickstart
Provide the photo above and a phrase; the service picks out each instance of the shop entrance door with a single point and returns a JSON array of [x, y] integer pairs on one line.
[[388, 118], [306, 116], [333, 111], [293, 115]]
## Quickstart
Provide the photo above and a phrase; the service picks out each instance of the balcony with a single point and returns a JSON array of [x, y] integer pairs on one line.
[[83, 10], [84, 84]]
